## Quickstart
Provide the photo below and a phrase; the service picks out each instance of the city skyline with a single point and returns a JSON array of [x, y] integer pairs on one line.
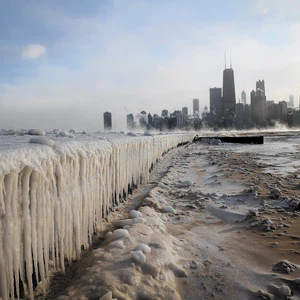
[[64, 64]]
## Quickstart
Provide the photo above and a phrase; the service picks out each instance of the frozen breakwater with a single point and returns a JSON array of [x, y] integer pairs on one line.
[[54, 196]]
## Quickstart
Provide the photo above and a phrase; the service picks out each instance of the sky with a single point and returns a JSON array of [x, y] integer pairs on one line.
[[64, 63]]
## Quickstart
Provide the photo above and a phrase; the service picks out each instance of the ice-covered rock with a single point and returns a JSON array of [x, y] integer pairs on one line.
[[253, 212], [135, 214], [129, 222], [119, 234], [56, 131], [108, 296], [42, 141], [138, 256], [265, 295], [284, 290], [66, 134], [36, 132], [143, 247], [167, 209], [275, 193], [284, 266]]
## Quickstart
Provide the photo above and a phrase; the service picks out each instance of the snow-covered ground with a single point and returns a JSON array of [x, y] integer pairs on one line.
[[55, 190]]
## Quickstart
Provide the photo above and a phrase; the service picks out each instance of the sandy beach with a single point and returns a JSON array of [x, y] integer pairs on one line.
[[212, 223]]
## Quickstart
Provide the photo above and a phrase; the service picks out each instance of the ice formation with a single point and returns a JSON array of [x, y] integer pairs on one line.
[[53, 199]]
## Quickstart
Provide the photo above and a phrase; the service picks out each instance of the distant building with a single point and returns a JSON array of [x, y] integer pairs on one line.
[[185, 111], [107, 121], [130, 121], [195, 106], [282, 110], [260, 85], [164, 113], [228, 92], [291, 101], [259, 104], [215, 101], [244, 97]]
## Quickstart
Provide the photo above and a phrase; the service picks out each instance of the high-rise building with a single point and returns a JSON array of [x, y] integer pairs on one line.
[[215, 101], [244, 97], [228, 92], [130, 121], [164, 113], [185, 111], [260, 85], [195, 106], [107, 121], [259, 104], [291, 101]]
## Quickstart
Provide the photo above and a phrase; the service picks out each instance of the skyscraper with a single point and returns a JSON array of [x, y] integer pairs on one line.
[[130, 121], [259, 104], [185, 111], [107, 121], [228, 103], [195, 106], [244, 97], [260, 85], [215, 101], [291, 101]]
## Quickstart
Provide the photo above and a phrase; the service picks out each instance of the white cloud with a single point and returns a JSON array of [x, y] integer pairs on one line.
[[33, 51]]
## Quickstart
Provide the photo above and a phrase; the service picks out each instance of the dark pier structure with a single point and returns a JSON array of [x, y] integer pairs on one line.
[[233, 139]]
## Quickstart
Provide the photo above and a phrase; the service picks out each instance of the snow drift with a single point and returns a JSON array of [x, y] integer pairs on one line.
[[53, 199]]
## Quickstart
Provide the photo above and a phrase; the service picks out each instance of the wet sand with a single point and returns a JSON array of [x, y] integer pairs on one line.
[[216, 224]]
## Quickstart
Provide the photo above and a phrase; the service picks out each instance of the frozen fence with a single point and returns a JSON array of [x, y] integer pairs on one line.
[[53, 198]]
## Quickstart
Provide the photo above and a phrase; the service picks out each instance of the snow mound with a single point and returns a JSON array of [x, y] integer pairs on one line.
[[65, 134], [36, 132], [42, 141]]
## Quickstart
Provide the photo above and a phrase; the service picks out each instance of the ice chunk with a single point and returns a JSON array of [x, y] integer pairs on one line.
[[143, 247], [285, 290], [129, 222], [56, 131], [65, 134], [138, 256], [167, 209], [36, 132], [107, 296], [135, 214], [42, 141], [119, 244], [119, 234]]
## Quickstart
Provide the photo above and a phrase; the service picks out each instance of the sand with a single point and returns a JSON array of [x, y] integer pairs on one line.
[[216, 223]]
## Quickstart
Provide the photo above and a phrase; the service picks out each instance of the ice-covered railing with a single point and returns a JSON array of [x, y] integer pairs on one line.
[[53, 199]]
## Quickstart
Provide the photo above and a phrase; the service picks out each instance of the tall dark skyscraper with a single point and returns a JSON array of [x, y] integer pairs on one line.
[[195, 106], [228, 92], [107, 121], [215, 101]]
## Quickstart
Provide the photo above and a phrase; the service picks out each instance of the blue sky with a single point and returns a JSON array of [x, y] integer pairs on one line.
[[63, 63]]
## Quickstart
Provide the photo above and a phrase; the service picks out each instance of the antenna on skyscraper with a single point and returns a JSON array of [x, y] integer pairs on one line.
[[225, 59], [230, 61]]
